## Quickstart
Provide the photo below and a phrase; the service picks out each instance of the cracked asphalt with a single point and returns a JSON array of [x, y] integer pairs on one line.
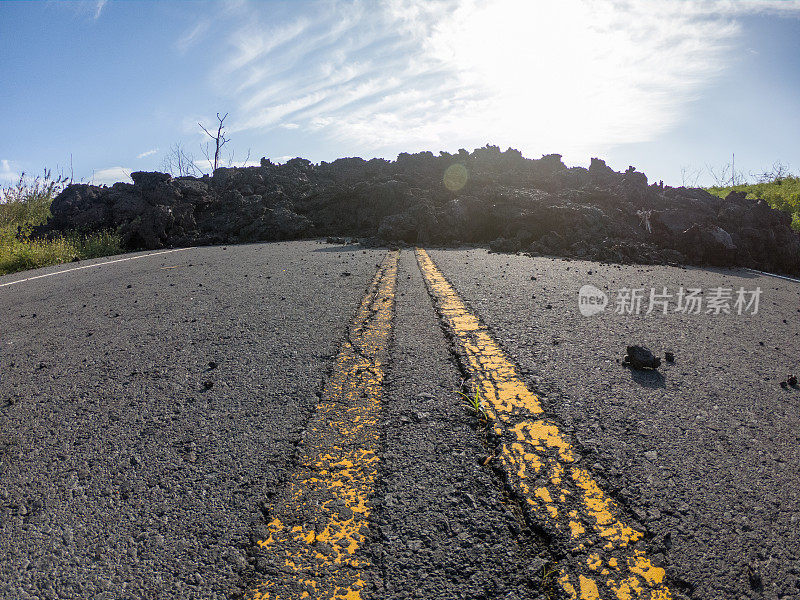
[[151, 411]]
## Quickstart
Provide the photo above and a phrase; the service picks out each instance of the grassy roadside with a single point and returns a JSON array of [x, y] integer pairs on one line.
[[27, 204], [783, 194]]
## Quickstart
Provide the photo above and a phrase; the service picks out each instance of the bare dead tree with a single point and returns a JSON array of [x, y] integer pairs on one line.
[[780, 171], [727, 175], [690, 175], [737, 177], [219, 141], [232, 156], [720, 176], [179, 162], [71, 171], [777, 174]]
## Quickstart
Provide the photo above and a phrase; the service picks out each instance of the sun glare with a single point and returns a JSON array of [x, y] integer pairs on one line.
[[562, 74], [573, 77]]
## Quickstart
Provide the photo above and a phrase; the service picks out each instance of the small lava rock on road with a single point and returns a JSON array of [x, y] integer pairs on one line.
[[639, 357]]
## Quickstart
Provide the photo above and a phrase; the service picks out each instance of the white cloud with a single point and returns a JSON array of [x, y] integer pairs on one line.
[[8, 174], [147, 153], [575, 77], [112, 175], [251, 162], [202, 165]]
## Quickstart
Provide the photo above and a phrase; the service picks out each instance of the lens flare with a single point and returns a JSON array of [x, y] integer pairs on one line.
[[455, 177]]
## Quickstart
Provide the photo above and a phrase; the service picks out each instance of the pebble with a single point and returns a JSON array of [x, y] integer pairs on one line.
[[237, 559]]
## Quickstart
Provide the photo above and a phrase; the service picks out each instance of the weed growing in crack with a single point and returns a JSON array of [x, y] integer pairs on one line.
[[549, 574], [475, 405]]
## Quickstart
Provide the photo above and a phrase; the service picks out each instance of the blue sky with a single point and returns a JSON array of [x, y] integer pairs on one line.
[[669, 87]]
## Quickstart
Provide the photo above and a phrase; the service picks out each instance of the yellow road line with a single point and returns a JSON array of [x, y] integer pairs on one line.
[[320, 522], [604, 557]]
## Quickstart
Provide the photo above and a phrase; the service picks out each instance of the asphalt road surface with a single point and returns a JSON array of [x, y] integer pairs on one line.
[[284, 421]]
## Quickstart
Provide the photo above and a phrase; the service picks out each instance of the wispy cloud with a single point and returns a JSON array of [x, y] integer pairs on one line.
[[112, 175], [743, 7], [253, 42], [147, 153], [98, 9], [193, 36], [573, 76]]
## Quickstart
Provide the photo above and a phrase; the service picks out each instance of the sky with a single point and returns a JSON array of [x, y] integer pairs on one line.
[[98, 89]]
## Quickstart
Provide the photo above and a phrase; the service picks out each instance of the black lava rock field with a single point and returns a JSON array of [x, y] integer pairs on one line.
[[484, 197]]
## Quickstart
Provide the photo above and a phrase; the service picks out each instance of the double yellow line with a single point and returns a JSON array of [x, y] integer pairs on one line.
[[320, 523]]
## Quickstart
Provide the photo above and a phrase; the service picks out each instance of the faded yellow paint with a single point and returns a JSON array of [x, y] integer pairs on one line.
[[589, 589], [631, 588], [576, 529], [541, 465], [602, 510], [321, 518], [642, 566], [567, 586], [594, 561], [544, 495]]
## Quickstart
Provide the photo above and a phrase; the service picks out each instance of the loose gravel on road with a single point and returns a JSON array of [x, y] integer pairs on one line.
[[148, 407], [444, 528], [705, 451], [154, 414]]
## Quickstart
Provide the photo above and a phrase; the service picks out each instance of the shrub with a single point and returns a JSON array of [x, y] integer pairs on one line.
[[27, 204]]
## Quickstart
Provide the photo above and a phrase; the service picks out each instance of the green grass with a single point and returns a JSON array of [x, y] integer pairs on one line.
[[475, 405], [27, 204], [783, 194]]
